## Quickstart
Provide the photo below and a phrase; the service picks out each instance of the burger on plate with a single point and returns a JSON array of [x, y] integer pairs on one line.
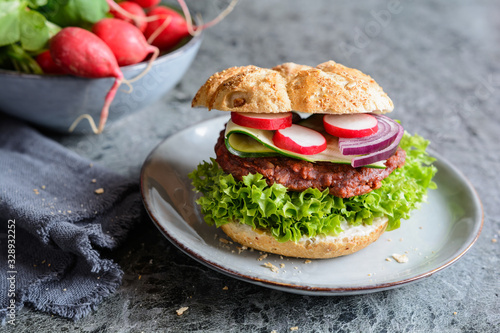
[[308, 166]]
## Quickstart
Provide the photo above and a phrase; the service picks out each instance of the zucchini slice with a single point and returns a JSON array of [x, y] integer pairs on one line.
[[250, 142]]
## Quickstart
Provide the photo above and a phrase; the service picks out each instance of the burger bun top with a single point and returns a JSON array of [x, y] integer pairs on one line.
[[328, 88]]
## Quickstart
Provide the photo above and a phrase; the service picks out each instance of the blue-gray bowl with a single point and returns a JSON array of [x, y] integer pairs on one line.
[[54, 102]]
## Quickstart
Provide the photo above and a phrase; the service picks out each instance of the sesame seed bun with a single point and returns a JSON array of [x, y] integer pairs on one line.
[[327, 88]]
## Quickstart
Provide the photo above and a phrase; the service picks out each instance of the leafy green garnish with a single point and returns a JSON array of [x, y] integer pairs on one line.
[[78, 13], [34, 30], [289, 215], [10, 30]]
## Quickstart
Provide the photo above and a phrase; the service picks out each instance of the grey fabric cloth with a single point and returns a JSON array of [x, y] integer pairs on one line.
[[55, 223]]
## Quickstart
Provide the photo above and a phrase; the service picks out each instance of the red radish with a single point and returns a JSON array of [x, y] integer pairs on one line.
[[350, 125], [264, 121], [300, 139], [79, 52], [166, 31], [47, 64], [127, 43], [147, 3], [134, 9]]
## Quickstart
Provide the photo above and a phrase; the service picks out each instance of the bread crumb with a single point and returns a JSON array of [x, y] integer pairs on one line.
[[493, 240], [140, 276], [223, 240], [401, 258], [282, 265], [307, 261], [99, 191], [455, 313], [274, 331], [94, 180], [36, 191], [388, 259], [43, 187], [225, 288], [262, 257], [401, 239], [420, 227], [369, 274], [181, 310], [241, 249], [273, 268], [295, 328], [389, 240]]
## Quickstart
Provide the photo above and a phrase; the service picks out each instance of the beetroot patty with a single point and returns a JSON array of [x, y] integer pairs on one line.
[[342, 180]]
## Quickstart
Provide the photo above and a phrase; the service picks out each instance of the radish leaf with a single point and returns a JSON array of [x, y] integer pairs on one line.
[[34, 30], [79, 13], [9, 22]]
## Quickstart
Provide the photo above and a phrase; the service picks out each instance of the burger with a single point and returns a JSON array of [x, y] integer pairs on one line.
[[308, 165]]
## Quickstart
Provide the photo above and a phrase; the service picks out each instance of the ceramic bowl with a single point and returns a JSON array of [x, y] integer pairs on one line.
[[54, 102]]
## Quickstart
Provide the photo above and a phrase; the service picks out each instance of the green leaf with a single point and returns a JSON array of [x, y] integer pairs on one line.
[[36, 3], [81, 13], [290, 215], [9, 22], [52, 28], [34, 30]]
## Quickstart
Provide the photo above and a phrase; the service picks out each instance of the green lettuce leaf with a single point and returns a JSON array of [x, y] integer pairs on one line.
[[290, 215]]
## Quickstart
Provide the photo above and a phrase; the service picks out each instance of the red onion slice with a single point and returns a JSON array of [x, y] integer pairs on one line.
[[381, 154], [387, 132]]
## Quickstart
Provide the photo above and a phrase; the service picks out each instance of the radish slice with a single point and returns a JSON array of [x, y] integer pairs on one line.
[[350, 125], [300, 139], [387, 132], [265, 121], [381, 154]]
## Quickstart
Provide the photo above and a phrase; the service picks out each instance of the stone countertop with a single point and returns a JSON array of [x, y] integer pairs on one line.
[[439, 62]]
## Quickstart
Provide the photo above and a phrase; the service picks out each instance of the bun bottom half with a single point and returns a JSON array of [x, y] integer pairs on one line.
[[351, 240]]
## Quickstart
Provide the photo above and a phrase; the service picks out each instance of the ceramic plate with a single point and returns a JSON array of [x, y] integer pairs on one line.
[[434, 237]]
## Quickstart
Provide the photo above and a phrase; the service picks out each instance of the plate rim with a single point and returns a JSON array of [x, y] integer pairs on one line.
[[296, 288]]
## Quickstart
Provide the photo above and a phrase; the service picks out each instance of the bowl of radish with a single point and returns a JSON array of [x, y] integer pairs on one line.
[[77, 76]]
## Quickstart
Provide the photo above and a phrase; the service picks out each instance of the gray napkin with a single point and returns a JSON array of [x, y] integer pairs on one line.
[[58, 212]]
